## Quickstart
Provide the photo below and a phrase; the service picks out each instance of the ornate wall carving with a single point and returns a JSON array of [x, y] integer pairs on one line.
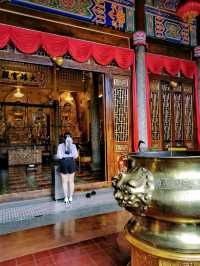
[[140, 258], [112, 13], [162, 23], [120, 116], [166, 5], [172, 117], [120, 106]]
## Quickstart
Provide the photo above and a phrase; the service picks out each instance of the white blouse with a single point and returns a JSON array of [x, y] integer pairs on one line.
[[61, 151]]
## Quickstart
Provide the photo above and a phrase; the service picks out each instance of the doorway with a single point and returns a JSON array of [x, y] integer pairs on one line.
[[34, 117], [82, 114]]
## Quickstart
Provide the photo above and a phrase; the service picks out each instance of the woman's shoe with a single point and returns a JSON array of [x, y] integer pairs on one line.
[[70, 200], [93, 193], [66, 200]]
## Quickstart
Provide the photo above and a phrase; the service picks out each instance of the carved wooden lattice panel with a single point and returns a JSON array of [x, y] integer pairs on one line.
[[120, 107], [155, 113], [178, 115], [188, 114], [166, 112], [172, 114]]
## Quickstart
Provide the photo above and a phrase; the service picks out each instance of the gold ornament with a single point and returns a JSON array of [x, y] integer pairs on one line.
[[174, 84], [58, 60]]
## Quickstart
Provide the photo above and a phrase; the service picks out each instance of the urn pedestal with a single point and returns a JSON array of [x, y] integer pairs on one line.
[[162, 191]]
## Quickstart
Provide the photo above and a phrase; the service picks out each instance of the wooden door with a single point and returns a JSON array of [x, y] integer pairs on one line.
[[118, 139]]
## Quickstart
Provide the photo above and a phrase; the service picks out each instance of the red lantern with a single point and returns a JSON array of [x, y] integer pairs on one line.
[[189, 10]]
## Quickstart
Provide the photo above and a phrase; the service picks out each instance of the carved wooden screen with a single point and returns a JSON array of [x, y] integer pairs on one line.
[[120, 98], [166, 113], [188, 109], [178, 125], [121, 125], [121, 119], [117, 121], [155, 113], [172, 114]]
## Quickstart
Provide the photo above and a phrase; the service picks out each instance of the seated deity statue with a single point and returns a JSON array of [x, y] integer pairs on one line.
[[69, 120], [2, 124], [39, 130]]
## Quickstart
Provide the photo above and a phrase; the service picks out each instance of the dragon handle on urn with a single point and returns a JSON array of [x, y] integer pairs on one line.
[[133, 189]]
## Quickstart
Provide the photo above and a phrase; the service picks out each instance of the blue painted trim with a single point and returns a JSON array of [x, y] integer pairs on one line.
[[169, 16], [172, 41], [123, 2], [50, 10], [156, 11]]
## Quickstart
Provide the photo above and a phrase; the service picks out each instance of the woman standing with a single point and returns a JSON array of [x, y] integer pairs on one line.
[[67, 153]]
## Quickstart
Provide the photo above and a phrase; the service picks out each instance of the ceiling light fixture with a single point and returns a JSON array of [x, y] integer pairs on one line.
[[68, 97], [18, 93]]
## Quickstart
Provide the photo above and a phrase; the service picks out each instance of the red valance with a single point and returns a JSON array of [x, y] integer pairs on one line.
[[156, 64], [29, 41]]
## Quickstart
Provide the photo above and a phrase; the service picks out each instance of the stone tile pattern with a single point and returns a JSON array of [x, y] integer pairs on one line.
[[18, 179], [95, 252], [34, 213]]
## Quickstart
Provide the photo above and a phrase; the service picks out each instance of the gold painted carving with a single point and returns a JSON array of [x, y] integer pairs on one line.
[[133, 190], [120, 82], [177, 263], [121, 148], [140, 258]]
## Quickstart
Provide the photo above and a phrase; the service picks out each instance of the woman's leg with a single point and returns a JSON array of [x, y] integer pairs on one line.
[[71, 185], [65, 179]]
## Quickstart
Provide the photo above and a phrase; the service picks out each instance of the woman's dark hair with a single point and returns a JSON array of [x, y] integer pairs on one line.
[[139, 144], [67, 134]]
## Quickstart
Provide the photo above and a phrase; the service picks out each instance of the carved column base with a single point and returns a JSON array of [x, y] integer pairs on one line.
[[141, 258]]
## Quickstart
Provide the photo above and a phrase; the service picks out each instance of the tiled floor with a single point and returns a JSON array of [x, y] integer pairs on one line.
[[68, 232], [15, 179], [102, 251], [15, 216]]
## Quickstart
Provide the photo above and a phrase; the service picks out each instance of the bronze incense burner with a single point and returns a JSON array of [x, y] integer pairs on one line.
[[162, 191]]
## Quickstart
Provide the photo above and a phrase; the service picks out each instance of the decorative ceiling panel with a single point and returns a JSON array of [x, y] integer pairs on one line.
[[118, 14], [162, 23]]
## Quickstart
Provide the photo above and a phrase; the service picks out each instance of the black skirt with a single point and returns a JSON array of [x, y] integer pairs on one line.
[[68, 165]]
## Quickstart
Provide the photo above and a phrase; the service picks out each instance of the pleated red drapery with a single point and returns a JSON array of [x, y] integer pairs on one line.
[[156, 64], [29, 41]]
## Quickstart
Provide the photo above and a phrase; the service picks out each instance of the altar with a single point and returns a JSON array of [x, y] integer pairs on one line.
[[24, 156]]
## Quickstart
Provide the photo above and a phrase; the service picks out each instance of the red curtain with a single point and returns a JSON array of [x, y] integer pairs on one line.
[[29, 41], [156, 64], [148, 110]]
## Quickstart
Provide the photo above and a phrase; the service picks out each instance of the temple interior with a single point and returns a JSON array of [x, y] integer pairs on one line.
[[117, 83], [32, 114]]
